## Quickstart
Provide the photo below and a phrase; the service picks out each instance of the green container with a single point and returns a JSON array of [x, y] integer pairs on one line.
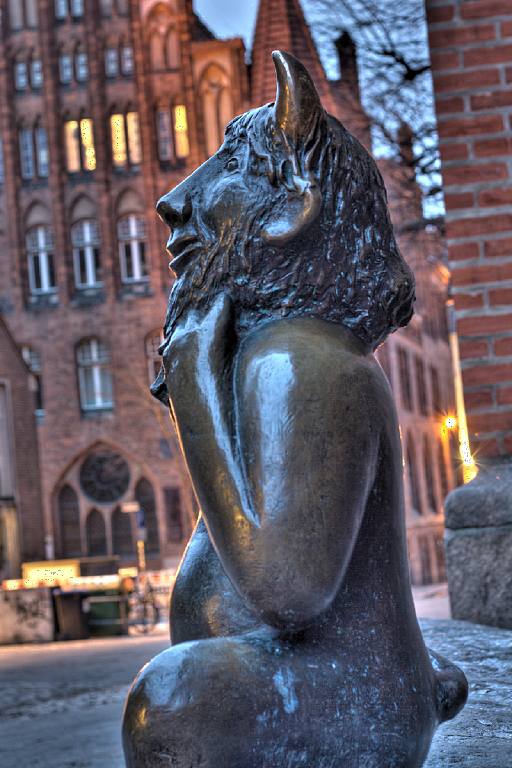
[[107, 613]]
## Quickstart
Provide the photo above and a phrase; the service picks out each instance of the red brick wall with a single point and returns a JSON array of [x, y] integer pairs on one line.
[[471, 53]]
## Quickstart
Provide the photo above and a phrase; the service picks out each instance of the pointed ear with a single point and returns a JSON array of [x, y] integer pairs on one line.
[[301, 211], [298, 114]]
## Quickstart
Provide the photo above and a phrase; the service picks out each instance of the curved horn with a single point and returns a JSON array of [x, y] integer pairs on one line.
[[297, 101]]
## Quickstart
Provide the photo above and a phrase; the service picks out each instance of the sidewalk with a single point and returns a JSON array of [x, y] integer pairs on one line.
[[432, 601]]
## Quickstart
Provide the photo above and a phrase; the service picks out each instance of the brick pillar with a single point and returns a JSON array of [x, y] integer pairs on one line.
[[471, 53]]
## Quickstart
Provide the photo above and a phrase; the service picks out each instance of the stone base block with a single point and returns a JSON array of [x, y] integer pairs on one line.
[[478, 546], [479, 572]]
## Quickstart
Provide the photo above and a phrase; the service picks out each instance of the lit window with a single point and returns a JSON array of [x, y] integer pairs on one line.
[[33, 361], [72, 142], [65, 68], [127, 60], [80, 152], [164, 134], [26, 153], [2, 171], [36, 73], [154, 358], [42, 152], [77, 8], [111, 62], [134, 146], [94, 376], [81, 68], [181, 131], [87, 140], [61, 9], [132, 248], [41, 267], [86, 253], [118, 140], [20, 75]]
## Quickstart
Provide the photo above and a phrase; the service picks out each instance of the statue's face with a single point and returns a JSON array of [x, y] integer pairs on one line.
[[209, 210]]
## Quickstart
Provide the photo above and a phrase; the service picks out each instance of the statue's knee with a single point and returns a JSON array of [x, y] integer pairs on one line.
[[150, 708], [183, 704], [165, 706]]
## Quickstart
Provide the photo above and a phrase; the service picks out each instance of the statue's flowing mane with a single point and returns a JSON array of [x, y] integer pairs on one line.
[[357, 277]]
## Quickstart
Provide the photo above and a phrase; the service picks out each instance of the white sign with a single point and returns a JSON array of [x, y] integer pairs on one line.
[[130, 506]]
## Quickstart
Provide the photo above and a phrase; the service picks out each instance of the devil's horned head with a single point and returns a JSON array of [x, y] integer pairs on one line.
[[290, 217]]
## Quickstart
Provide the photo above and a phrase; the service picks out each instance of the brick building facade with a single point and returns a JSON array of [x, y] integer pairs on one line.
[[104, 106], [471, 52], [99, 118]]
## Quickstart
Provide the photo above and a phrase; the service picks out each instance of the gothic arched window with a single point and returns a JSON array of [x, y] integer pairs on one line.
[[172, 49], [443, 474], [412, 471], [41, 266], [145, 495], [69, 523], [131, 231], [156, 52], [122, 539], [154, 358], [94, 375], [86, 253], [429, 475], [95, 534], [217, 107]]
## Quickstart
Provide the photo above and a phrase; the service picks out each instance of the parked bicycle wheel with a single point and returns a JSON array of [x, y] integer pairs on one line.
[[144, 615]]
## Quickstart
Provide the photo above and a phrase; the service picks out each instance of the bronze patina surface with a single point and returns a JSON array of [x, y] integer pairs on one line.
[[293, 630]]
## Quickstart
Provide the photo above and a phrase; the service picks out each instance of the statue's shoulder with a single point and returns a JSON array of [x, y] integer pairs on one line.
[[309, 348]]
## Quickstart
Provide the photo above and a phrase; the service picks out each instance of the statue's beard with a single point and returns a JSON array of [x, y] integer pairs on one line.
[[224, 265]]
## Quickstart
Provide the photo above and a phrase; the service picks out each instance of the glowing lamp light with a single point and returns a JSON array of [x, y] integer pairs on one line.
[[450, 422]]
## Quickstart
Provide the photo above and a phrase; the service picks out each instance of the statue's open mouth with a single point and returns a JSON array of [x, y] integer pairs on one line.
[[181, 252]]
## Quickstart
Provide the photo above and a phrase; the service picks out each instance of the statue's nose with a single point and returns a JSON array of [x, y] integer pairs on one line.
[[175, 208]]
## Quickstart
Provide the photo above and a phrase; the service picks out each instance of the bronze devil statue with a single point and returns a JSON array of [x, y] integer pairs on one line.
[[293, 630]]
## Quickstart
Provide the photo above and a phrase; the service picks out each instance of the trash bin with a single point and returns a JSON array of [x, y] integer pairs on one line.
[[70, 616], [107, 614]]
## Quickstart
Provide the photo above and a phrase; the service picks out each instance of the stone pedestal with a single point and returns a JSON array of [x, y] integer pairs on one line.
[[478, 546]]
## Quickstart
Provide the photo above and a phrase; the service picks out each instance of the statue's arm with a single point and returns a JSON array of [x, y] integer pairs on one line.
[[282, 460]]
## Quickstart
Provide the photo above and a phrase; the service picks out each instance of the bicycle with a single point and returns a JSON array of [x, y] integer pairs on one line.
[[143, 613]]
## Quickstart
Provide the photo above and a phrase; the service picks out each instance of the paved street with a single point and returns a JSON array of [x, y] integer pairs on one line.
[[61, 703]]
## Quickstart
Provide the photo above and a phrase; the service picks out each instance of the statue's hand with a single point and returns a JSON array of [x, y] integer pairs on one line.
[[201, 338]]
